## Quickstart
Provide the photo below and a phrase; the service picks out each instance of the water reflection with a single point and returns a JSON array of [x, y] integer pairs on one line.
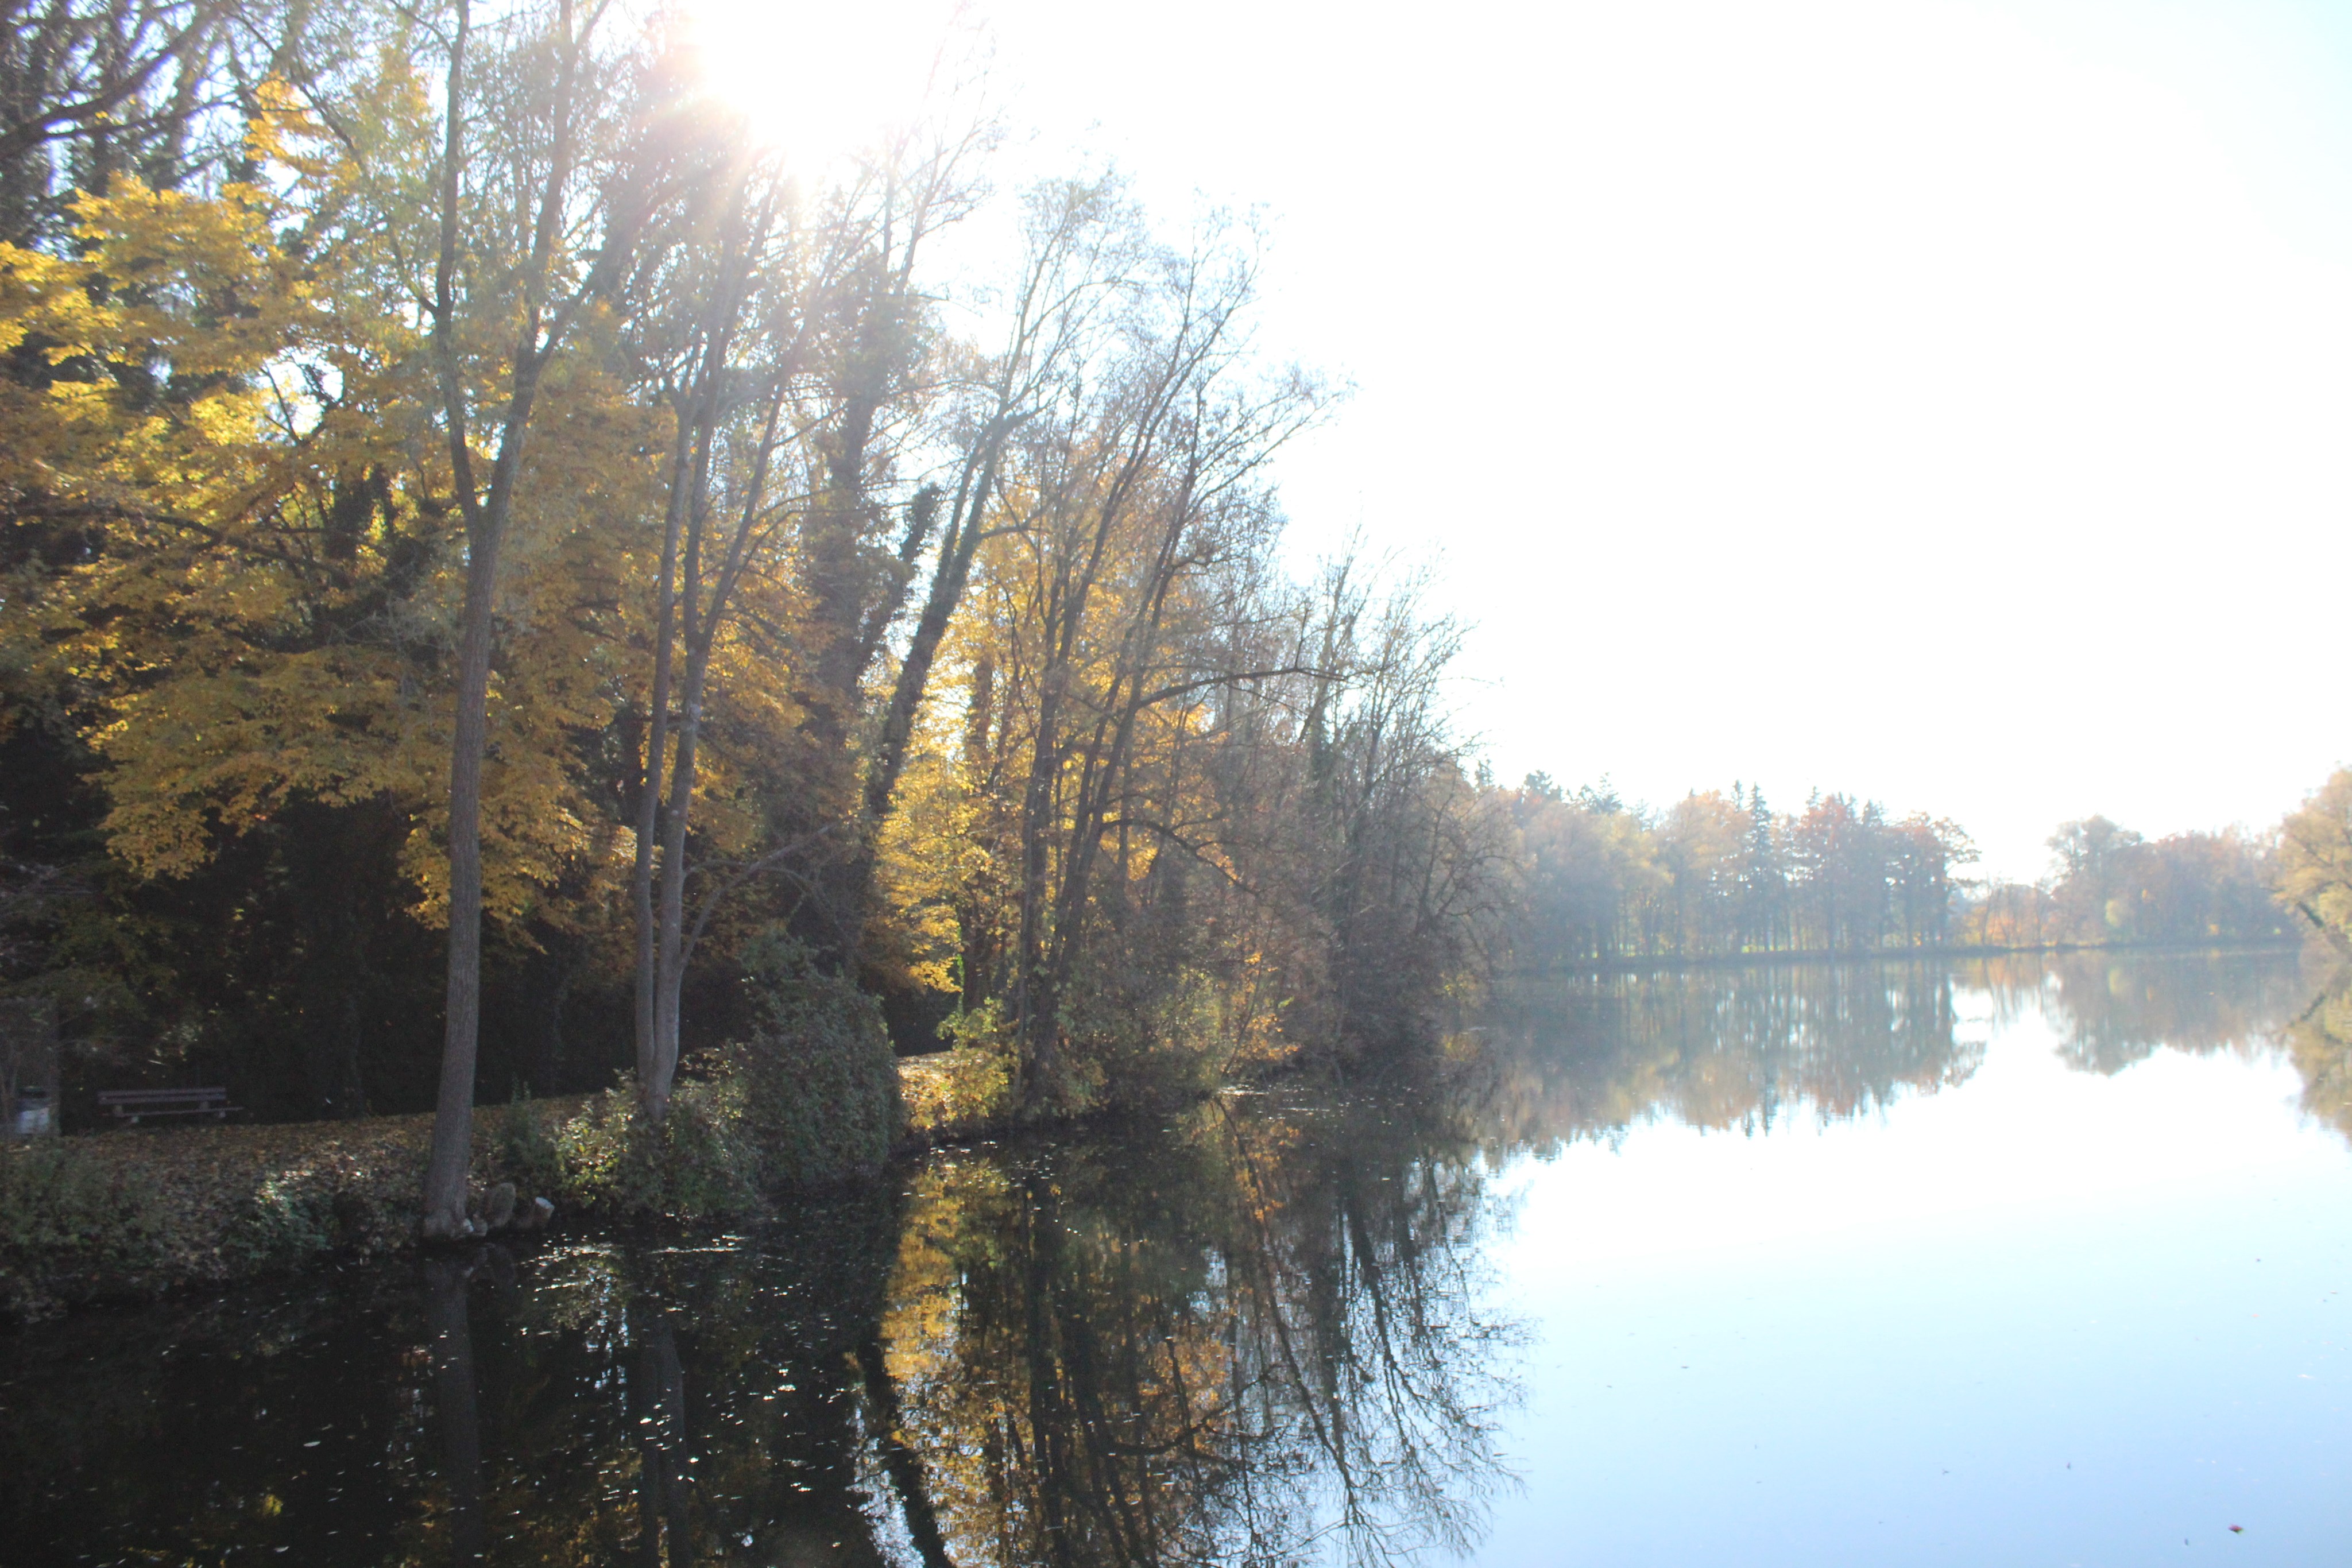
[[2320, 1041], [641, 1405], [1249, 1338], [1726, 1049], [1253, 1336], [2112, 1009], [1261, 1333], [1719, 1049], [449, 1323]]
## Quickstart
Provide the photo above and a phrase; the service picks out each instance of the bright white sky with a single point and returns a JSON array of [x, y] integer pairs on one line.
[[1942, 402]]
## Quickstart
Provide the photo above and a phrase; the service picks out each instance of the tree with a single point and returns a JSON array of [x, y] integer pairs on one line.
[[805, 331], [236, 538], [2315, 861], [1136, 486], [509, 256]]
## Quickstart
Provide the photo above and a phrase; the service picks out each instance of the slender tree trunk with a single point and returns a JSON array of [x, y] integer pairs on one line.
[[486, 513], [700, 626], [453, 1115], [452, 1121], [641, 879], [947, 583], [1033, 1003], [669, 959]]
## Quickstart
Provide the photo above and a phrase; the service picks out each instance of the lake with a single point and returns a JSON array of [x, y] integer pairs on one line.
[[2017, 1262]]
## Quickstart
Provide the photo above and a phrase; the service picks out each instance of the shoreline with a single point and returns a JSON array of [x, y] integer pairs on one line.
[[142, 1214], [1673, 964]]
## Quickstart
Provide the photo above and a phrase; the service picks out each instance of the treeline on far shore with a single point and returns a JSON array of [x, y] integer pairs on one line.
[[1602, 884]]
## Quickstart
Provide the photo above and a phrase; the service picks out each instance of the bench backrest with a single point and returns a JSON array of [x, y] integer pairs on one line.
[[159, 1096]]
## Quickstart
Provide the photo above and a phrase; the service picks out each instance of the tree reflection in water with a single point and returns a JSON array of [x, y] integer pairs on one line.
[[2112, 1009], [448, 1323], [1730, 1048], [2320, 1041], [1259, 1334], [1255, 1338], [1717, 1048]]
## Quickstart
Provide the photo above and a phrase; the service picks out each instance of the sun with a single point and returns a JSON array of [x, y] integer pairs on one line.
[[820, 82]]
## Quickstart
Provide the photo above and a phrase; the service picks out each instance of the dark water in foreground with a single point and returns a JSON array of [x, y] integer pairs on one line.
[[1870, 1264]]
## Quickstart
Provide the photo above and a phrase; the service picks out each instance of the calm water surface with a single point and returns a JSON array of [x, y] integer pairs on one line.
[[1876, 1264]]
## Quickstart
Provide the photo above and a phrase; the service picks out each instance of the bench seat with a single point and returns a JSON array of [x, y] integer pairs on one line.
[[134, 1105]]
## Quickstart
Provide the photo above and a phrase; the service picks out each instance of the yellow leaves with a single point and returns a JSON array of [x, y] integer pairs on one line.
[[157, 333], [208, 753], [283, 132], [196, 279], [33, 287], [2315, 856], [918, 874], [261, 611]]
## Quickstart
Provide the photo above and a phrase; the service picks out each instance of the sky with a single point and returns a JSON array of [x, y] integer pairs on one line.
[[1943, 403]]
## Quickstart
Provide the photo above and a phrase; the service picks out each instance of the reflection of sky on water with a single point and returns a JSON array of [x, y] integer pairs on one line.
[[1887, 1339], [1798, 1264]]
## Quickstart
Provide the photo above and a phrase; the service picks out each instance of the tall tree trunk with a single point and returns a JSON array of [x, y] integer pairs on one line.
[[486, 514], [700, 626], [671, 955], [452, 1121], [641, 878], [453, 1113], [1035, 1006]]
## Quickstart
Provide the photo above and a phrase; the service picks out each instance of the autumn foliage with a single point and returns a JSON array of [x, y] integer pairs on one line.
[[920, 619]]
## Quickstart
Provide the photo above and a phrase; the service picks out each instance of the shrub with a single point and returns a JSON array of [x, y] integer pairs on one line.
[[1146, 1042], [818, 1080], [64, 1212], [526, 1151], [969, 1087], [289, 1218], [698, 1165]]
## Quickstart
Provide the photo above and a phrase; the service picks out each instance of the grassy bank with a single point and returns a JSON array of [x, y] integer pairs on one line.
[[144, 1211]]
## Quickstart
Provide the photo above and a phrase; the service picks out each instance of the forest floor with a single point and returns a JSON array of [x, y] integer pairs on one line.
[[145, 1211]]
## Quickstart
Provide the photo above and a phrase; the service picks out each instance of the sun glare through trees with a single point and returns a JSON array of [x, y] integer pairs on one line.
[[819, 83]]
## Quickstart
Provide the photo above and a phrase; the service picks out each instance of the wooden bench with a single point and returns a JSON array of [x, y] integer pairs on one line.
[[130, 1104]]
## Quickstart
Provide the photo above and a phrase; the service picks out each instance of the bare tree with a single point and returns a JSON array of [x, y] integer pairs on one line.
[[804, 340]]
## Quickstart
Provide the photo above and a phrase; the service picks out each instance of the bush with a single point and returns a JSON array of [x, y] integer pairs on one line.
[[968, 1088], [288, 1219], [1146, 1042], [818, 1080], [699, 1164], [65, 1213], [526, 1151], [810, 1098]]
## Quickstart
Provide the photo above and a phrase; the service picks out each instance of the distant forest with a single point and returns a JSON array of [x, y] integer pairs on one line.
[[1714, 875]]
